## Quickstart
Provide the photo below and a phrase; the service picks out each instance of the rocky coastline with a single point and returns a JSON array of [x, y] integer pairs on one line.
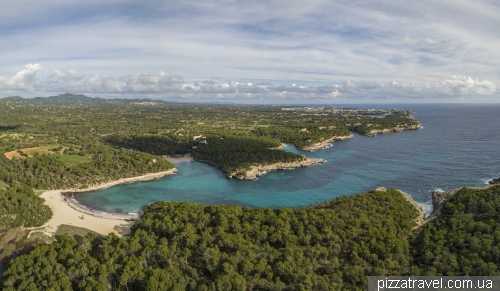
[[438, 198], [281, 147], [259, 169], [325, 143], [374, 132], [143, 178], [494, 181]]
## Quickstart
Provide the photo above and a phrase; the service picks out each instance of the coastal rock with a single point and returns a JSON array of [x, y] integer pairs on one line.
[[282, 146], [374, 132], [494, 181], [258, 170], [438, 198], [325, 143]]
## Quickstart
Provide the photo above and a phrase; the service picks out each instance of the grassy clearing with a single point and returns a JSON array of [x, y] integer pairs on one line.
[[55, 150], [3, 185], [74, 231], [32, 151], [73, 159], [38, 192]]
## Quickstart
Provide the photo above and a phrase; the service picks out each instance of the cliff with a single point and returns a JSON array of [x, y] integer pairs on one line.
[[257, 170], [325, 143], [438, 198], [398, 128]]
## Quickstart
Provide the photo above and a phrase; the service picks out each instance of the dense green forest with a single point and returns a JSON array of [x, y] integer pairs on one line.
[[19, 206], [183, 246], [106, 164], [302, 135], [233, 154], [330, 246], [465, 238]]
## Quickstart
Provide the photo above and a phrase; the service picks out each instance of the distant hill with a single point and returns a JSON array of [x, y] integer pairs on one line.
[[75, 98], [12, 98]]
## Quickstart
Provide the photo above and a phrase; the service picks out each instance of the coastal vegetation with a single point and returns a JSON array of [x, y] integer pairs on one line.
[[183, 246], [464, 239], [19, 206], [237, 154], [67, 171], [330, 246]]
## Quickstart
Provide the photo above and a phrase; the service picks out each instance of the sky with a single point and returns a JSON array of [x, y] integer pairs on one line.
[[315, 51]]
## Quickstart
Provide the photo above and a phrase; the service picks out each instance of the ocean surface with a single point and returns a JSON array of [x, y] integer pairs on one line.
[[459, 145]]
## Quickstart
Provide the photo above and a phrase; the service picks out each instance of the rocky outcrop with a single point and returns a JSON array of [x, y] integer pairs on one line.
[[494, 181], [438, 198], [282, 146], [325, 143], [258, 170], [374, 132]]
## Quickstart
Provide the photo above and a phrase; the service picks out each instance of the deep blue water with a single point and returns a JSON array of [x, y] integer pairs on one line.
[[459, 145]]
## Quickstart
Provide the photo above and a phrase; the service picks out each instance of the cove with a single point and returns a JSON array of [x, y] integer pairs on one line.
[[458, 146]]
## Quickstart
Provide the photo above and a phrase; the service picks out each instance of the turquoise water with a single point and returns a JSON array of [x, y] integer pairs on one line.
[[458, 146]]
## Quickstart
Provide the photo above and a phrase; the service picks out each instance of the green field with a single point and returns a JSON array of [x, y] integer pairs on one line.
[[3, 185], [72, 159], [74, 231]]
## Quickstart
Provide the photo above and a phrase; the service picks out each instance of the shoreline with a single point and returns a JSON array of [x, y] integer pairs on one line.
[[374, 132], [325, 143], [66, 210], [143, 178], [439, 197], [259, 170], [185, 158]]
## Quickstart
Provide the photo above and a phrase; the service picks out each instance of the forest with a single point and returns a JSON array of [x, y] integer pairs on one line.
[[183, 246], [330, 246], [464, 239]]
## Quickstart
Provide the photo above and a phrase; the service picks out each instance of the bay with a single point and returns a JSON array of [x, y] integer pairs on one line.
[[459, 145]]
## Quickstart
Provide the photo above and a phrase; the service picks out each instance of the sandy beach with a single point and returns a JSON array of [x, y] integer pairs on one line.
[[185, 158], [66, 211]]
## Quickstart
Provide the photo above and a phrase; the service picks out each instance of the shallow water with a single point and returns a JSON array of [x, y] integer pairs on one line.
[[458, 146]]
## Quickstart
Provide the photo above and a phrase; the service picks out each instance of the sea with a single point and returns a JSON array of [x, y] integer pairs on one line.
[[459, 145]]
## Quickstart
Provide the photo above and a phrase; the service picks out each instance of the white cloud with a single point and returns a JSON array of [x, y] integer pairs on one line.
[[410, 40], [23, 80], [429, 40], [167, 86]]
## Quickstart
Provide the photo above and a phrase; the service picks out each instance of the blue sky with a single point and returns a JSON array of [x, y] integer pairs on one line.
[[253, 51]]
